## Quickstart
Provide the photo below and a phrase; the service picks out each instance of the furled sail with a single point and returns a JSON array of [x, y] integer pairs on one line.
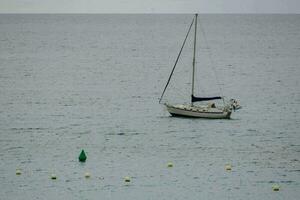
[[195, 99]]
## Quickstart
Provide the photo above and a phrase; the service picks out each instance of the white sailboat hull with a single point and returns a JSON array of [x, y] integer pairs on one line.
[[188, 111]]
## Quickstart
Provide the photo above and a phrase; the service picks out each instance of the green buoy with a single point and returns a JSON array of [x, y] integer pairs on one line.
[[82, 156]]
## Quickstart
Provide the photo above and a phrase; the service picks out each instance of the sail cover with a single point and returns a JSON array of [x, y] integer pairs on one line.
[[194, 99]]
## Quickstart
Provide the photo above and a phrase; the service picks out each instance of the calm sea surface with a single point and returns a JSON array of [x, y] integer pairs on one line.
[[92, 82]]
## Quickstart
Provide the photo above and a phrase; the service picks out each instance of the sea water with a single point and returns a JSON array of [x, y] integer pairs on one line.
[[92, 82]]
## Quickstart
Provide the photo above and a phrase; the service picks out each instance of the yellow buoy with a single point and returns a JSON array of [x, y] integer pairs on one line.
[[170, 164], [275, 187], [18, 172], [53, 176], [87, 175], [228, 167], [127, 179]]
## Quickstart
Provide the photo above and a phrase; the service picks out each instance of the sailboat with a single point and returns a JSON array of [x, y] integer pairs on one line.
[[210, 110]]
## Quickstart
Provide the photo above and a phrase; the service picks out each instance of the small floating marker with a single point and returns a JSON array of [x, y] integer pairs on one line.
[[18, 172], [82, 156], [53, 176], [127, 179], [87, 175], [170, 164], [275, 187], [228, 167]]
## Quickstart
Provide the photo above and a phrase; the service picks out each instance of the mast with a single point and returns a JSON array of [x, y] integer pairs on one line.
[[176, 61], [194, 59]]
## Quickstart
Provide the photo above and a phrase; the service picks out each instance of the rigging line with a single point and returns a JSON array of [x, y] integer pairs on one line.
[[210, 58], [176, 61]]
